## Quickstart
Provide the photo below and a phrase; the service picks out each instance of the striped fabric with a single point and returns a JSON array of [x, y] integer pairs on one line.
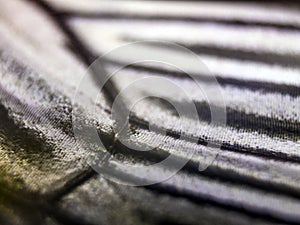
[[253, 50]]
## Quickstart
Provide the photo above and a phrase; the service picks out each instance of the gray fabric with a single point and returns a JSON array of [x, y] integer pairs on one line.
[[45, 49]]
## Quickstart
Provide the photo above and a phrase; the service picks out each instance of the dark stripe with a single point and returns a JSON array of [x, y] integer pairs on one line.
[[264, 152], [264, 87], [287, 60], [110, 89], [269, 58], [253, 123], [247, 122], [198, 199], [187, 18]]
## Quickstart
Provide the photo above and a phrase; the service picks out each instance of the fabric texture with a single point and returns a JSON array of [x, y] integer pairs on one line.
[[253, 51]]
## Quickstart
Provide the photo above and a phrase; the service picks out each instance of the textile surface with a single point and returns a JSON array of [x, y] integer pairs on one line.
[[253, 51]]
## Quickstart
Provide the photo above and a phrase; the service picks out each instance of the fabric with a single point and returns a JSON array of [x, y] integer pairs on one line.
[[253, 51]]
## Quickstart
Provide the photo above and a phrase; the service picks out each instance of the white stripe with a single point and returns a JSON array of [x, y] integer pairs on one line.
[[255, 39], [218, 10]]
